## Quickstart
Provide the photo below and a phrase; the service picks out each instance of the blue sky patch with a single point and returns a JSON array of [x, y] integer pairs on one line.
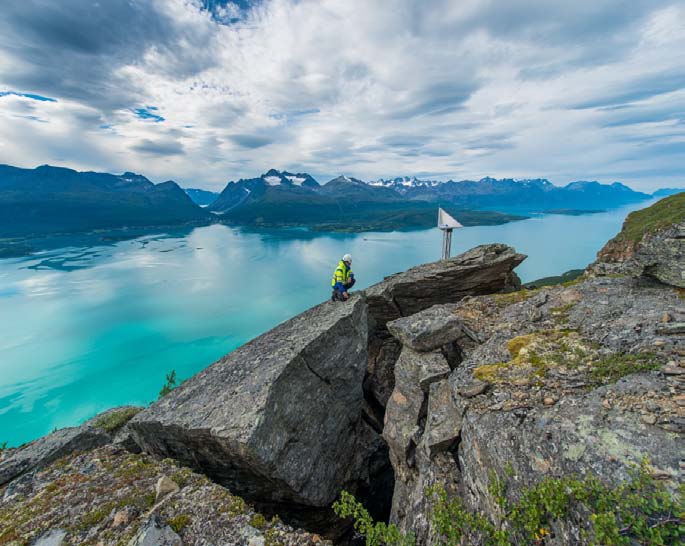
[[32, 96], [148, 113]]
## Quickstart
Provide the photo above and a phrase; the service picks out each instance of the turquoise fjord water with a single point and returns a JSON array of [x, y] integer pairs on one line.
[[85, 329]]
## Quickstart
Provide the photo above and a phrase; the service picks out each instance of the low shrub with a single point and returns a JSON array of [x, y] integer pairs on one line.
[[639, 511]]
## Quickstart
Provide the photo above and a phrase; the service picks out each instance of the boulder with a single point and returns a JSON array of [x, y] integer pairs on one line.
[[165, 486], [662, 256], [443, 423], [278, 420], [422, 427], [485, 269], [54, 537], [155, 533], [51, 447], [428, 329]]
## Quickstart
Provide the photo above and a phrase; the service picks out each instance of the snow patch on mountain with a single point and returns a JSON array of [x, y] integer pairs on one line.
[[297, 180]]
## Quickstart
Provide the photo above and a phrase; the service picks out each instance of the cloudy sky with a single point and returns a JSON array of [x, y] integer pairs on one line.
[[208, 91]]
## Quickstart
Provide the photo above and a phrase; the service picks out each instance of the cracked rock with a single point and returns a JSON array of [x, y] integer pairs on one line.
[[277, 419]]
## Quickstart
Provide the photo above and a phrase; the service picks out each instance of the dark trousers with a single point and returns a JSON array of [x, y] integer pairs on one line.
[[337, 294]]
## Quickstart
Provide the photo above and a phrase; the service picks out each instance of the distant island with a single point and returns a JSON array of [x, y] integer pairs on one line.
[[49, 200]]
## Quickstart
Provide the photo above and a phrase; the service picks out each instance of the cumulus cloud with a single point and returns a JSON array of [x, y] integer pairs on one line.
[[218, 89]]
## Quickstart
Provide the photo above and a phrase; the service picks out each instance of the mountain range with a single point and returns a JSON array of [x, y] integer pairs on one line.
[[54, 199], [48, 200], [346, 203], [533, 194]]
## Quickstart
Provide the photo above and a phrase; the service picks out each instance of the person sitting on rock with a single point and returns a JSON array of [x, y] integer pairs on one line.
[[343, 279]]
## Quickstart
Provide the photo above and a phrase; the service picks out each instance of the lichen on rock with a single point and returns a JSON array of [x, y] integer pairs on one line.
[[107, 496]]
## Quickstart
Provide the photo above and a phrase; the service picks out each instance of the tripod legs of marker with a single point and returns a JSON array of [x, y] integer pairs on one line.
[[446, 243]]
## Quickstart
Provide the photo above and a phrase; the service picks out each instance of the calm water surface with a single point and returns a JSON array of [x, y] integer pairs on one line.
[[85, 329]]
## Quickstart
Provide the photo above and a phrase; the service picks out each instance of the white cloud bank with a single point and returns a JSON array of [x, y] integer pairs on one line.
[[593, 89]]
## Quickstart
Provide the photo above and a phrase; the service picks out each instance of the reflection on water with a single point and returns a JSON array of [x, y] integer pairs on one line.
[[84, 329]]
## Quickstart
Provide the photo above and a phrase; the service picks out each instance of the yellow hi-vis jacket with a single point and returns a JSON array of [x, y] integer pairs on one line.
[[341, 276]]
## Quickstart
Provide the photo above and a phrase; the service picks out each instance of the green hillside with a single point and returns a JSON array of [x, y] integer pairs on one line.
[[661, 214]]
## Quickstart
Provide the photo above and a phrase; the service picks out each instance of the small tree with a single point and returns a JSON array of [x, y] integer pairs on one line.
[[170, 384]]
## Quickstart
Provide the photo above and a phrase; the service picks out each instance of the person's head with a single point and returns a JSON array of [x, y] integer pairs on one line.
[[347, 258]]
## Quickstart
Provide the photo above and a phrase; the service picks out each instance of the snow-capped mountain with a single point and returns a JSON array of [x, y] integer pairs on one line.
[[273, 184], [404, 182], [282, 188], [528, 193], [278, 178]]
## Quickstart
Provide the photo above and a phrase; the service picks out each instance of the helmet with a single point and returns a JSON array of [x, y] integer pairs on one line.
[[347, 258]]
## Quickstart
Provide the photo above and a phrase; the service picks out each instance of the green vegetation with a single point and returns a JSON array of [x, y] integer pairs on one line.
[[271, 538], [560, 314], [178, 523], [639, 511], [611, 368], [258, 521], [3, 446], [236, 506], [182, 477], [567, 279], [376, 533], [510, 298], [114, 420], [169, 385], [662, 214], [533, 354]]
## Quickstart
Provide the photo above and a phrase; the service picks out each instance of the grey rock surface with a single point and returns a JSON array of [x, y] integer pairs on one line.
[[54, 537], [380, 378], [278, 419], [428, 329], [421, 427], [49, 448], [660, 255], [485, 269], [663, 256], [155, 533], [165, 486], [106, 496], [443, 422], [498, 412]]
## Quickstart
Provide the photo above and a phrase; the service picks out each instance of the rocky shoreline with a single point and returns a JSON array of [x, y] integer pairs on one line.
[[443, 375]]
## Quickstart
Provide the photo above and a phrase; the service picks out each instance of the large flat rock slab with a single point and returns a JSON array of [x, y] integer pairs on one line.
[[277, 419], [485, 269]]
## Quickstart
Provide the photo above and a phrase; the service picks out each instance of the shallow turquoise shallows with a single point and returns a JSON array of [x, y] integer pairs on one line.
[[82, 330]]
